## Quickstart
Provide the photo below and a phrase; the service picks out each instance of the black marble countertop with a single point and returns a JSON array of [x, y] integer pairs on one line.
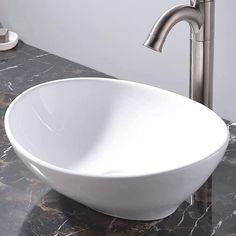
[[30, 207]]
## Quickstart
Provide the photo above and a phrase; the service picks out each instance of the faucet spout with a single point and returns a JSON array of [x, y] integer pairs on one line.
[[169, 19], [200, 16]]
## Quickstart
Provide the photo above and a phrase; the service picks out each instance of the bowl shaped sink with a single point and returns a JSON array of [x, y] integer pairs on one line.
[[122, 148]]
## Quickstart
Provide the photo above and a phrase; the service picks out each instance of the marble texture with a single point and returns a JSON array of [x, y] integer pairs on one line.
[[30, 207]]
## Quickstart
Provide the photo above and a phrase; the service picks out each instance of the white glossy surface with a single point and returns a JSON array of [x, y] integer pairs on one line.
[[123, 148], [13, 40]]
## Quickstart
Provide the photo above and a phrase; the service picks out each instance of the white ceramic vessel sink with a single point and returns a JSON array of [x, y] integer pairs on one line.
[[122, 148]]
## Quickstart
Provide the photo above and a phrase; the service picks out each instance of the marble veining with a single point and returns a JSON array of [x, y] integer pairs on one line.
[[30, 207]]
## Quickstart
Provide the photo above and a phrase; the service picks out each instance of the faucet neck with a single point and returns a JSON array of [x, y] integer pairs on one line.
[[200, 16]]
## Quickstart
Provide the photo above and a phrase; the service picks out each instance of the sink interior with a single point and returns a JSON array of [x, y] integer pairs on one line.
[[115, 128]]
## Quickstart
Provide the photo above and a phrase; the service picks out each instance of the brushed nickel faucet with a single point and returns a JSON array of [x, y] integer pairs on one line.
[[200, 15]]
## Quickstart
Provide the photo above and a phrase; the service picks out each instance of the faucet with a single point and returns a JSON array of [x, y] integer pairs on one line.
[[201, 16]]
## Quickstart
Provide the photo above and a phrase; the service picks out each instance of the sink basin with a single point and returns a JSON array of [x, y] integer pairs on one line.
[[125, 149]]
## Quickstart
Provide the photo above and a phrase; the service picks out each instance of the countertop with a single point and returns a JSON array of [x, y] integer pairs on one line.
[[30, 207]]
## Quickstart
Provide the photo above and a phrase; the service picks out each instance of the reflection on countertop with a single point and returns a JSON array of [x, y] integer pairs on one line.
[[30, 207]]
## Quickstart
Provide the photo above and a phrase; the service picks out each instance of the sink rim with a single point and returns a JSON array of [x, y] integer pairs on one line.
[[35, 159]]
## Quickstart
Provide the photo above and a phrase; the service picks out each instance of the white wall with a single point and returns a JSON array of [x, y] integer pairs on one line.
[[107, 35]]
